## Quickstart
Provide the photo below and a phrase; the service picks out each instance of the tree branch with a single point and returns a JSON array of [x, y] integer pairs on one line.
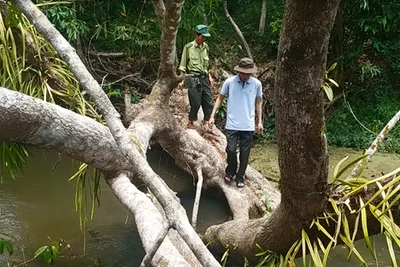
[[237, 30], [144, 212], [174, 212], [375, 144], [197, 198], [32, 121]]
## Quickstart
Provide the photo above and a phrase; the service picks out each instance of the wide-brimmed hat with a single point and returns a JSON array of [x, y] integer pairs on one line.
[[203, 30], [246, 65]]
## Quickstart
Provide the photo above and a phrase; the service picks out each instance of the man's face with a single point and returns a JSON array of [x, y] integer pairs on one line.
[[199, 39], [244, 76]]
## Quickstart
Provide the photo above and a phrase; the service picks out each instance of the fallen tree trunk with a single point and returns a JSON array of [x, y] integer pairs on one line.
[[174, 212]]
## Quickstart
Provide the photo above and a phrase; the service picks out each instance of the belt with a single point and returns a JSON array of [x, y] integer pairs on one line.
[[197, 75]]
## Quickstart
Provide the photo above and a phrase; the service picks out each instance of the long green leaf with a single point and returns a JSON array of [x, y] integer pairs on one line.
[[39, 252], [391, 250], [336, 170], [322, 229], [351, 163], [364, 224], [351, 246]]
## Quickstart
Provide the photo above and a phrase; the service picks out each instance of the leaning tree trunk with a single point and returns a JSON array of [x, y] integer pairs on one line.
[[375, 145], [237, 30], [263, 17]]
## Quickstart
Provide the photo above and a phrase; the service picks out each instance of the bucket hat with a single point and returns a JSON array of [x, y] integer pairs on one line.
[[246, 65]]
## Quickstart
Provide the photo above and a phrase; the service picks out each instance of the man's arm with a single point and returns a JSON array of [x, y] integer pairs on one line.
[[217, 104], [184, 59], [259, 115], [210, 79]]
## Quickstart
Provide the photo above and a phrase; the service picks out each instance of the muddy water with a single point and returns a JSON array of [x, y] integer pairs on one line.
[[40, 204], [265, 159]]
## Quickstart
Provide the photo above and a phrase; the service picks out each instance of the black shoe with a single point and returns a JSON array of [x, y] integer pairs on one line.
[[228, 178], [240, 182]]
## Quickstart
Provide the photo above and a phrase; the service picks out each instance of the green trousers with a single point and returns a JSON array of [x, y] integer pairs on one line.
[[199, 95]]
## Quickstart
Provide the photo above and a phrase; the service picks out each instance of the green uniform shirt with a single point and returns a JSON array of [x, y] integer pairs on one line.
[[194, 58]]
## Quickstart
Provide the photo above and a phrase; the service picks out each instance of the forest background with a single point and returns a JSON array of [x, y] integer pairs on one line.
[[365, 44]]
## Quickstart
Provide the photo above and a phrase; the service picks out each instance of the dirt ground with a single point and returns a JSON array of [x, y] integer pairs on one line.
[[264, 158]]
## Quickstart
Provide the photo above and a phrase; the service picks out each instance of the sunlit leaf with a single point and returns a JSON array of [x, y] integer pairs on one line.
[[39, 252]]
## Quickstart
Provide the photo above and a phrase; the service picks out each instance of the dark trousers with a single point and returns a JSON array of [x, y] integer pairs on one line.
[[245, 138], [199, 95]]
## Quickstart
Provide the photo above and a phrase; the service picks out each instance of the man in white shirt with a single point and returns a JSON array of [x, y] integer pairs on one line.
[[244, 101]]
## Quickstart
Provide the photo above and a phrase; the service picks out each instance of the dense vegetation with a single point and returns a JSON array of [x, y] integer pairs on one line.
[[365, 43]]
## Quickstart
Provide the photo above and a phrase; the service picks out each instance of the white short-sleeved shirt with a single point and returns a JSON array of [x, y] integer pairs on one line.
[[241, 102]]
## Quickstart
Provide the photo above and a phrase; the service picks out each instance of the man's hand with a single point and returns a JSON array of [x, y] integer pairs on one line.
[[181, 76], [211, 80], [260, 128], [211, 121]]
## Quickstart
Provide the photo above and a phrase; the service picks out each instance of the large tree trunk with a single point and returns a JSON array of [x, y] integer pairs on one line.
[[303, 159]]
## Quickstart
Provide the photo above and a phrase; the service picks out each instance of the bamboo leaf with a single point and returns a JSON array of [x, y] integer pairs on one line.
[[331, 68], [334, 82], [326, 254], [391, 250], [364, 224], [303, 246], [328, 91], [356, 222], [350, 246], [322, 229], [292, 253], [351, 163], [336, 170], [373, 182]]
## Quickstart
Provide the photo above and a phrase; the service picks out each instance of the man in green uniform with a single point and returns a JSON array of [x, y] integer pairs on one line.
[[194, 63]]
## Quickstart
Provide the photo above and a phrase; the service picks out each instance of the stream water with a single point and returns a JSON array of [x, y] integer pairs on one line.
[[40, 204]]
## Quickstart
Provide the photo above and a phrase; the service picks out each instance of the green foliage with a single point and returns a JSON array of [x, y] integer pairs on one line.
[[13, 158], [346, 192], [327, 83], [116, 93], [6, 246], [64, 18], [221, 112], [30, 65], [123, 26], [51, 252], [87, 188], [269, 132], [357, 120], [367, 34]]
